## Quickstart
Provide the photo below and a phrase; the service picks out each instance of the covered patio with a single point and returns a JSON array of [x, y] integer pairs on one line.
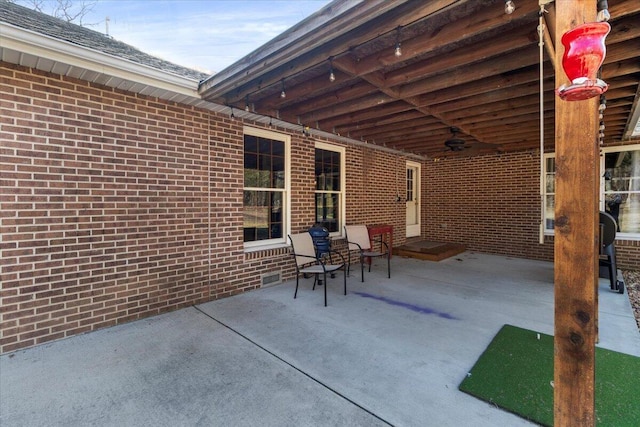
[[391, 352], [126, 199]]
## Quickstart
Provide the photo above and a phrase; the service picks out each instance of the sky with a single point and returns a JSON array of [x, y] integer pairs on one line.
[[206, 35]]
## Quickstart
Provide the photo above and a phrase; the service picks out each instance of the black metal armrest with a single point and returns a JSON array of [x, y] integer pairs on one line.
[[382, 242], [354, 243]]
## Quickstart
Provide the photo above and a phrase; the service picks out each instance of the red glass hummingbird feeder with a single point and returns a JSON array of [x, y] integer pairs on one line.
[[584, 52]]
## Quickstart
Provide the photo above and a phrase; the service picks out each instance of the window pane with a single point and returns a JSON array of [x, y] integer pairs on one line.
[[263, 215], [277, 172], [327, 170], [549, 214], [409, 185], [264, 146], [265, 171], [250, 170], [250, 144], [327, 210], [277, 150]]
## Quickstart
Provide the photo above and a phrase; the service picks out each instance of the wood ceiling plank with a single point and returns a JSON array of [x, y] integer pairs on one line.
[[508, 97], [501, 64], [365, 115], [460, 57], [392, 119], [482, 20], [384, 134], [407, 124], [527, 75], [369, 101], [303, 103]]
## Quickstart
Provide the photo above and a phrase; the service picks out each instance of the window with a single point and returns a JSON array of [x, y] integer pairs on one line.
[[266, 188], [619, 189], [329, 174]]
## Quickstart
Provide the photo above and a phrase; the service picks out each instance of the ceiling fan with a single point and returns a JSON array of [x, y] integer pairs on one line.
[[455, 143]]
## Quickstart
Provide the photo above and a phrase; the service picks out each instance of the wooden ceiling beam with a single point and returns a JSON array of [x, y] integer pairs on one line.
[[509, 97], [501, 64], [441, 64], [393, 119], [369, 101], [527, 75], [621, 51], [365, 115], [299, 105], [490, 117], [409, 126]]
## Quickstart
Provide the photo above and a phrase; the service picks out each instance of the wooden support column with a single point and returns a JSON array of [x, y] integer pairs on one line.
[[576, 238]]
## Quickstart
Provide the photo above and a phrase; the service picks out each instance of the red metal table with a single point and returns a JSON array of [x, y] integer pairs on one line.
[[385, 231]]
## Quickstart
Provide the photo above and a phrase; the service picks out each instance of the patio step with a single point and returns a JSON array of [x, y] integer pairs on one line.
[[429, 250]]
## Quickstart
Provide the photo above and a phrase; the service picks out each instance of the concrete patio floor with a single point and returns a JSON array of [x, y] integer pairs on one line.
[[391, 352]]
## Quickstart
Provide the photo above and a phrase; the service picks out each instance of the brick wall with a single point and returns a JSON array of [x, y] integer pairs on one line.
[[491, 204], [117, 206], [105, 207]]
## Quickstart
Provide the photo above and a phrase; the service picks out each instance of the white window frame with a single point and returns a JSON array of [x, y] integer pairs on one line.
[[286, 139], [343, 178], [601, 192]]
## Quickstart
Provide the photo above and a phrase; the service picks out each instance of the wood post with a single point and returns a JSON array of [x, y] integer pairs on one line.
[[576, 238]]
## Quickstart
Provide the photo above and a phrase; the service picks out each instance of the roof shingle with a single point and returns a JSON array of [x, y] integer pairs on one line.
[[57, 28]]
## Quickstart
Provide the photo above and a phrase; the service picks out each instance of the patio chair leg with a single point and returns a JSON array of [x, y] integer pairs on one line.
[[362, 267], [345, 280], [295, 294], [388, 265]]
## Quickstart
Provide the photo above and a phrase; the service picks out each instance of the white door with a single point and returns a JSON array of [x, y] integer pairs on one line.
[[413, 199]]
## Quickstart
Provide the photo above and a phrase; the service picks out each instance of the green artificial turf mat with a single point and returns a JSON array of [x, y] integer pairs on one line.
[[515, 373]]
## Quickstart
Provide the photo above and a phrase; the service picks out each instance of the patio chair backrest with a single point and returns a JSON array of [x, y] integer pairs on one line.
[[358, 234], [302, 244]]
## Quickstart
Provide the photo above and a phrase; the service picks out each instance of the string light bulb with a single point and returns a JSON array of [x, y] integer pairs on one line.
[[509, 7], [246, 103], [332, 76], [283, 94], [398, 50], [233, 116], [601, 108], [603, 104]]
